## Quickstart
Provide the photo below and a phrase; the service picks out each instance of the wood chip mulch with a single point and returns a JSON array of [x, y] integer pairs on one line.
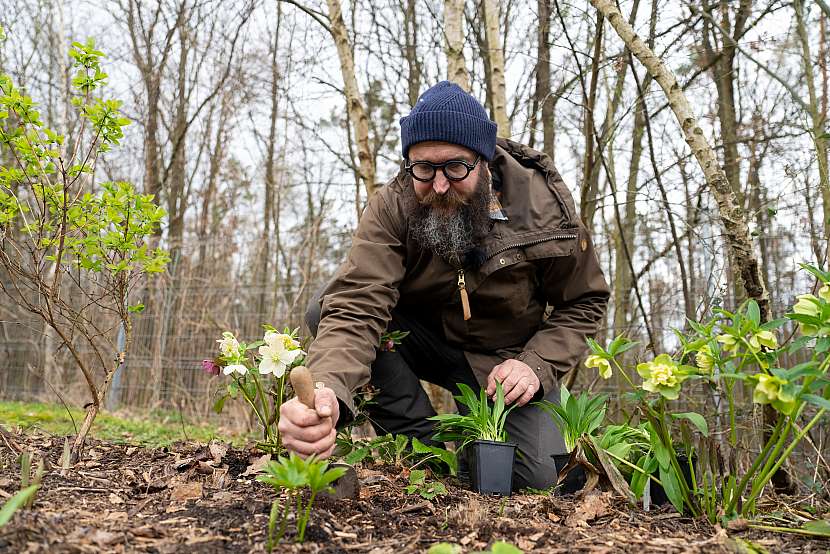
[[197, 498]]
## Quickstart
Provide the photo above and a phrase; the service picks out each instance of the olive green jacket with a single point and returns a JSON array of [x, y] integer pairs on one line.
[[540, 256]]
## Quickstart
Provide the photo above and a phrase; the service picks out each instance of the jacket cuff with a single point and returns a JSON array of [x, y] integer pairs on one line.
[[345, 403], [542, 369]]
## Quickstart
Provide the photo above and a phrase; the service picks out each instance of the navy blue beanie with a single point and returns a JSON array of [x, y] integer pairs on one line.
[[446, 113]]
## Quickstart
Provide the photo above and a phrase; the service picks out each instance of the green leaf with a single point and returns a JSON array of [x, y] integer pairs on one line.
[[753, 312], [502, 547], [15, 502], [670, 484], [698, 420], [820, 527], [219, 405], [136, 308], [817, 401]]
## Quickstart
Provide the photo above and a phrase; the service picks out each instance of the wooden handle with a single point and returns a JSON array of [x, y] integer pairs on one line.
[[303, 385]]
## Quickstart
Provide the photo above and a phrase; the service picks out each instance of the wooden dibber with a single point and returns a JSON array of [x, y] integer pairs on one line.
[[347, 486]]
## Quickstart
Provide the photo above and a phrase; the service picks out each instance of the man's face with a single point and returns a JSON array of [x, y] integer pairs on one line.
[[441, 193], [450, 218]]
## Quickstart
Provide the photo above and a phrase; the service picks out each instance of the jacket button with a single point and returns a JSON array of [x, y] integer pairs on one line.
[[501, 261], [583, 245]]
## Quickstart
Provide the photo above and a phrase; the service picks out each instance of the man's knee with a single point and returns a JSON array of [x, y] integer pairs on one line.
[[534, 472]]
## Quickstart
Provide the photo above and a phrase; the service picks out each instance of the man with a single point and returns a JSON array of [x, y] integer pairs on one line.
[[464, 249]]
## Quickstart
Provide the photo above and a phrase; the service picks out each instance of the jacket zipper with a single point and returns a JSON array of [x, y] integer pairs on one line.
[[462, 287], [559, 236], [465, 300]]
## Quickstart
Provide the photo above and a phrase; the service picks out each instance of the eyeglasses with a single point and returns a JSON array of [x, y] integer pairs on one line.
[[454, 170]]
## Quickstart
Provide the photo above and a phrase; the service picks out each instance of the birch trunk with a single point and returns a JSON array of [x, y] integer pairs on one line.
[[354, 104], [732, 215], [496, 56], [454, 33]]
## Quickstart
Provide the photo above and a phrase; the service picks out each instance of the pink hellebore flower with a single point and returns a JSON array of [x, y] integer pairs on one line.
[[210, 367]]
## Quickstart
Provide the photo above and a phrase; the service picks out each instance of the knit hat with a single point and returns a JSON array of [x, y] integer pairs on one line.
[[446, 113]]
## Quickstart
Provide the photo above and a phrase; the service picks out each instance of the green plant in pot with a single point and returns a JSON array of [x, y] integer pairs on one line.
[[481, 433]]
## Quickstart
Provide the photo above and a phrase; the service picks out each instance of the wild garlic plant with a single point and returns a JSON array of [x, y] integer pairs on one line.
[[258, 371], [729, 350]]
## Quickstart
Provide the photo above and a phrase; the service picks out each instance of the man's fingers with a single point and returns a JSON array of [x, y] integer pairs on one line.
[[527, 396], [299, 414], [309, 434], [499, 373], [323, 447], [516, 390]]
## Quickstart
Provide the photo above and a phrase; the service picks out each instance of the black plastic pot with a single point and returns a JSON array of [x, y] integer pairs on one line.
[[491, 466], [574, 480], [658, 494]]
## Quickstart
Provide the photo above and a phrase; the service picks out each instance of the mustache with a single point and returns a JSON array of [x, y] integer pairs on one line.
[[450, 199]]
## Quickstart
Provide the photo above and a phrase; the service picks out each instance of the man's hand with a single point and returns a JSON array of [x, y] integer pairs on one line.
[[517, 379], [306, 431]]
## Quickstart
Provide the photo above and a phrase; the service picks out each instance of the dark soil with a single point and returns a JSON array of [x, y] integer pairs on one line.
[[192, 498]]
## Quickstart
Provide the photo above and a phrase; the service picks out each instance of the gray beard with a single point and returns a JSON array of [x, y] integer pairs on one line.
[[451, 234]]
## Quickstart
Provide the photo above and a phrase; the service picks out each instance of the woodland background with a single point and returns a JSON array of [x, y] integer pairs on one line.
[[262, 127]]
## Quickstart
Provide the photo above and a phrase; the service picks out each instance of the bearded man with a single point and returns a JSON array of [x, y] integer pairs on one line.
[[466, 248]]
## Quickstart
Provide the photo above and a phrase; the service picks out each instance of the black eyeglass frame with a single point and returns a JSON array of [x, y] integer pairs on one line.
[[408, 167]]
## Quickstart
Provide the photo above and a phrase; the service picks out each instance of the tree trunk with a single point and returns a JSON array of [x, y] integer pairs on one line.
[[454, 32], [354, 104], [495, 55], [543, 92], [732, 215], [588, 193], [410, 29]]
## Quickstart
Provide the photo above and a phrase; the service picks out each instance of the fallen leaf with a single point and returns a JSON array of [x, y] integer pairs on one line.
[[592, 505], [258, 466], [526, 544], [535, 537], [131, 450], [148, 531], [554, 518], [187, 491], [737, 525], [105, 538], [116, 516], [218, 451], [115, 499]]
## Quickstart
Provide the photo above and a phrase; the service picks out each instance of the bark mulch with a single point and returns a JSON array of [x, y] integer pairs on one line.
[[198, 498]]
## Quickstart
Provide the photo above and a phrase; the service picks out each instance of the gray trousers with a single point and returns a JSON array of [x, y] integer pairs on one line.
[[402, 405]]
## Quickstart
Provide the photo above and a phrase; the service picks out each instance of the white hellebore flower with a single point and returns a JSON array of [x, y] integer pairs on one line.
[[280, 350], [228, 345], [237, 368]]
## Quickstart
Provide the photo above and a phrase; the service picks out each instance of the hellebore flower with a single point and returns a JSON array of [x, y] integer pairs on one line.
[[824, 293], [704, 359], [770, 390], [228, 345], [762, 338], [808, 305], [602, 364], [662, 375], [280, 351], [235, 368], [210, 367], [729, 342]]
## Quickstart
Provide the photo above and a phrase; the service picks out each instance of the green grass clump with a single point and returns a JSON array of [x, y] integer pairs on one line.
[[154, 430]]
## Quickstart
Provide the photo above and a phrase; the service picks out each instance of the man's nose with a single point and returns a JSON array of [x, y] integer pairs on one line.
[[440, 184]]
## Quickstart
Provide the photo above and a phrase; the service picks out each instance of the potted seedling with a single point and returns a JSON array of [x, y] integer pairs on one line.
[[481, 432]]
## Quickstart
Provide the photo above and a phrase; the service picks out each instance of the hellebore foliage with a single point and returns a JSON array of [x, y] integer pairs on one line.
[[731, 349], [293, 476]]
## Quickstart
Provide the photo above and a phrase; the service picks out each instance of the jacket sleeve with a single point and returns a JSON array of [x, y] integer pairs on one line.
[[575, 288], [357, 303]]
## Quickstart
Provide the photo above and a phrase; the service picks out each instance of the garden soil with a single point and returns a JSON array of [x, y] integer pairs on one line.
[[198, 498]]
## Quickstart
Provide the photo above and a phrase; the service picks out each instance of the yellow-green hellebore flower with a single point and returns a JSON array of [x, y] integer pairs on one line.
[[603, 365], [704, 359], [762, 338], [730, 343], [824, 293], [769, 390], [662, 375], [807, 304]]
